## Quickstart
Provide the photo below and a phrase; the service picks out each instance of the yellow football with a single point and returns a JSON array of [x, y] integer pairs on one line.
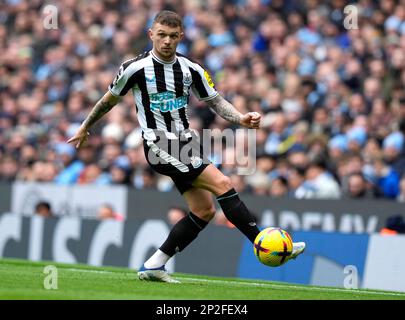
[[273, 246]]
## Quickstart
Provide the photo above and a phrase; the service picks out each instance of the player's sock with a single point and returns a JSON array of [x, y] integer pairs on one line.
[[182, 234], [158, 259], [237, 213]]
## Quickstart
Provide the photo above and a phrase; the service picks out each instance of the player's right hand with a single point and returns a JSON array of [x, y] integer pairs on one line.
[[251, 120], [79, 138]]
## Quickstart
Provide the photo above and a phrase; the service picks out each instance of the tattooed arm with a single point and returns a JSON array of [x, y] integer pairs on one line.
[[104, 105], [225, 109], [228, 112]]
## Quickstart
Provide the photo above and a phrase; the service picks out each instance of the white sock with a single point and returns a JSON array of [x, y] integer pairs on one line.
[[158, 259]]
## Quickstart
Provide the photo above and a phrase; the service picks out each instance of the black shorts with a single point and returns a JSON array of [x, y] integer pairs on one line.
[[181, 159]]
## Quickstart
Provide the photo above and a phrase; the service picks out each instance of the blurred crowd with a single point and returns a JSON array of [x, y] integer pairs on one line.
[[332, 94]]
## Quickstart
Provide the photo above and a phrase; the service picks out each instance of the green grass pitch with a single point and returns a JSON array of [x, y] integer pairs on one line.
[[22, 279]]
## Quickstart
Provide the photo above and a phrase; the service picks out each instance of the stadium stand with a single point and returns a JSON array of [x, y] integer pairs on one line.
[[325, 92]]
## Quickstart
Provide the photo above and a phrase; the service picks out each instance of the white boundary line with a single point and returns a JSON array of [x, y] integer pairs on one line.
[[95, 271], [257, 284], [288, 286]]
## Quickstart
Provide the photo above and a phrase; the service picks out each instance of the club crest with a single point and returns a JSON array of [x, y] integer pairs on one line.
[[196, 161], [187, 80]]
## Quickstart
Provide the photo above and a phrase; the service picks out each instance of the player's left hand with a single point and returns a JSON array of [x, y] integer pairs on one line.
[[251, 120], [80, 138]]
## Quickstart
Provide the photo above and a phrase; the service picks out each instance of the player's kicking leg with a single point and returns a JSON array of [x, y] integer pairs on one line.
[[298, 248], [234, 209], [202, 210], [199, 198]]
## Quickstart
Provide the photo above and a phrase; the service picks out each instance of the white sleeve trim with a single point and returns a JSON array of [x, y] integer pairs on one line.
[[210, 97], [113, 93]]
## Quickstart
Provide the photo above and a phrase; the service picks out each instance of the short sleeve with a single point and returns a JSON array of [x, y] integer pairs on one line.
[[123, 81], [203, 87]]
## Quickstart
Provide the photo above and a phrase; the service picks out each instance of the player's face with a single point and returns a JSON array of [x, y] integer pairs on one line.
[[165, 40]]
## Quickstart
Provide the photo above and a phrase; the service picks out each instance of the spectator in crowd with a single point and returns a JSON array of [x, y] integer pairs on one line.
[[8, 169], [175, 214], [350, 164], [359, 187], [279, 133], [106, 211], [147, 179], [337, 148], [221, 220], [43, 209], [259, 182], [120, 171], [384, 177], [295, 178], [319, 183], [279, 187], [92, 174], [239, 183], [298, 159], [392, 150], [70, 168], [356, 138]]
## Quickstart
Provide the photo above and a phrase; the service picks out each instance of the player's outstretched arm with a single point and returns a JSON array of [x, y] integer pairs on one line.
[[104, 105], [227, 111]]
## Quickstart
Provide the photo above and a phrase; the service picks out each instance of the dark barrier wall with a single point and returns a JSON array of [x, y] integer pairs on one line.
[[151, 204], [5, 197], [349, 216], [358, 216], [115, 243]]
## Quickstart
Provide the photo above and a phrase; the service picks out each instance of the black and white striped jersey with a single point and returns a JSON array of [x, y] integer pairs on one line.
[[161, 91]]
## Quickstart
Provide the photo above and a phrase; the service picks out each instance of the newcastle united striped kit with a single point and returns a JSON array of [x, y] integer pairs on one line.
[[161, 90]]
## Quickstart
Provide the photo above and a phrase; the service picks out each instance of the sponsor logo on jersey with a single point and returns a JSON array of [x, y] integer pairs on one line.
[[166, 101]]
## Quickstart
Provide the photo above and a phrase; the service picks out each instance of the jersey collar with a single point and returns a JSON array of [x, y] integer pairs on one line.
[[162, 61]]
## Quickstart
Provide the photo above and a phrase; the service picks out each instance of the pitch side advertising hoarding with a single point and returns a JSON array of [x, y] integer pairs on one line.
[[75, 200], [330, 259], [347, 216]]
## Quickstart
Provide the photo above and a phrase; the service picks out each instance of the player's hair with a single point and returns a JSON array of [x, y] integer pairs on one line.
[[169, 18]]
